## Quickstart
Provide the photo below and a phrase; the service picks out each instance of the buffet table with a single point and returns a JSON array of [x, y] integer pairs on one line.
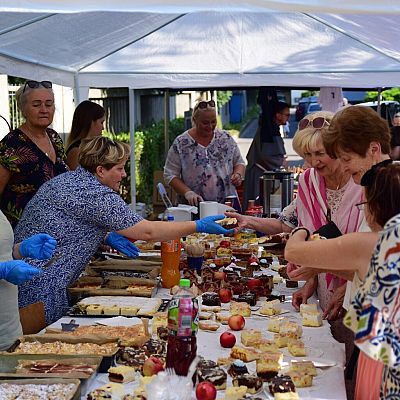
[[329, 384]]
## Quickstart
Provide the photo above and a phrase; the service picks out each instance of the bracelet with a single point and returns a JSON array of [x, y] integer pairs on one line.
[[301, 228]]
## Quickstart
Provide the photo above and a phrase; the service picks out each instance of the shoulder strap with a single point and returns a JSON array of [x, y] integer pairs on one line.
[[318, 193]]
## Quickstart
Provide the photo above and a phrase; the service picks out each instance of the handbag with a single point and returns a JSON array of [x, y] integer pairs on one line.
[[330, 230]]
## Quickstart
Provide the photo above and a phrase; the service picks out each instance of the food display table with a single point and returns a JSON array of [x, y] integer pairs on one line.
[[323, 349]]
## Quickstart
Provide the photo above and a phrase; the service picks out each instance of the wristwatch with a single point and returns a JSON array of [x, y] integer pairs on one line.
[[301, 228]]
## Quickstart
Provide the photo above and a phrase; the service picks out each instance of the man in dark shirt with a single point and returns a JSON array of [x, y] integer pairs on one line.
[[395, 140]]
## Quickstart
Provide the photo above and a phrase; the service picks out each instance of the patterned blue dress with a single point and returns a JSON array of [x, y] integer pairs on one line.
[[374, 314], [77, 210]]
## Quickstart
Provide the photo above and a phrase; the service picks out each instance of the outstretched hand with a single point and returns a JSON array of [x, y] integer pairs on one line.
[[302, 273], [241, 219], [334, 309], [122, 244], [208, 225]]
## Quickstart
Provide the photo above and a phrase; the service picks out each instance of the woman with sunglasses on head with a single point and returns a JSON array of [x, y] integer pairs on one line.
[[87, 122], [204, 163], [325, 190], [31, 154], [82, 209], [350, 255]]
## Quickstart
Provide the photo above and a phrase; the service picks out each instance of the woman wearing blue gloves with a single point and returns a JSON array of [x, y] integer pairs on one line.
[[16, 272], [82, 209]]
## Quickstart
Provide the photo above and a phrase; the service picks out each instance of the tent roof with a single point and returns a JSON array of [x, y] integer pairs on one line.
[[201, 49]]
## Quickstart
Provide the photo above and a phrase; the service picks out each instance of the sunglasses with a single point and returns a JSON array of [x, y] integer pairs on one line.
[[204, 104], [316, 123], [36, 84]]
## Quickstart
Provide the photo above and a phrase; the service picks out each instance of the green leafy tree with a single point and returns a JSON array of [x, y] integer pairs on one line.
[[392, 94], [223, 97]]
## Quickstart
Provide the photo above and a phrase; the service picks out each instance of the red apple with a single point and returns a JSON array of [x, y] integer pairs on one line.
[[206, 391], [236, 322], [225, 295], [152, 366], [219, 275], [227, 340], [225, 243], [253, 283]]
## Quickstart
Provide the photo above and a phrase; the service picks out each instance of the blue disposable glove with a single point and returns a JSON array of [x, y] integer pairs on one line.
[[122, 244], [40, 246], [208, 225], [17, 271]]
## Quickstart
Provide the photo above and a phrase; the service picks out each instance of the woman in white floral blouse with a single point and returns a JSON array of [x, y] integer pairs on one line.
[[204, 163]]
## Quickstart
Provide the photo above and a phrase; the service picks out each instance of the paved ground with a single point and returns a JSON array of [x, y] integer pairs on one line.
[[249, 130]]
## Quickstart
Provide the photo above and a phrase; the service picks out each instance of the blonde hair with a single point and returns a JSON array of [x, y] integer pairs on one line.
[[197, 111], [102, 151], [22, 93], [305, 140]]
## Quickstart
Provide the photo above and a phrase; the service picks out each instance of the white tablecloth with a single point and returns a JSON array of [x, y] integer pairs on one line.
[[328, 385]]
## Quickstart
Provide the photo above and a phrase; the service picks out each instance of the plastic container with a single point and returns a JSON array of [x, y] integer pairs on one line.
[[170, 257], [183, 319]]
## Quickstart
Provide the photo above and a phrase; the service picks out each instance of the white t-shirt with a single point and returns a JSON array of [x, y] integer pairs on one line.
[[10, 326]]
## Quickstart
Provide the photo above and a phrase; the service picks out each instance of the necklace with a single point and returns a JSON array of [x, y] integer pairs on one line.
[[37, 144]]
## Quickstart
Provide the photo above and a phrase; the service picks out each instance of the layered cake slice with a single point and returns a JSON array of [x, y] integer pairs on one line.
[[301, 379], [235, 393], [296, 348], [312, 318], [240, 309], [275, 323], [306, 367], [121, 374], [311, 307], [266, 345], [291, 330], [246, 354], [252, 382], [249, 337], [268, 365], [281, 384]]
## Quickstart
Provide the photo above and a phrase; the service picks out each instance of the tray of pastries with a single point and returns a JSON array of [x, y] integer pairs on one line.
[[56, 388], [18, 366], [112, 286], [111, 306]]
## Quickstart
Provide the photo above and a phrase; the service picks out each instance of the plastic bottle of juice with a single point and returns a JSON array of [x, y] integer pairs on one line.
[[183, 319], [170, 256]]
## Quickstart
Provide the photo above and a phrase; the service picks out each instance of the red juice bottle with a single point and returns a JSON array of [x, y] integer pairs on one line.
[[183, 319]]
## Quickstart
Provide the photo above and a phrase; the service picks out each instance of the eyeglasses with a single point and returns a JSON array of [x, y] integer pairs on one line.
[[316, 123], [204, 104], [36, 84], [360, 206]]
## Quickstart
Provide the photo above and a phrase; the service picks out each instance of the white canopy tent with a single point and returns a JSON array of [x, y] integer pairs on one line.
[[174, 44]]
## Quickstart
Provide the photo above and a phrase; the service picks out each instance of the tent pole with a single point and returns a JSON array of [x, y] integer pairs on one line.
[[378, 109], [77, 94], [132, 141], [166, 123]]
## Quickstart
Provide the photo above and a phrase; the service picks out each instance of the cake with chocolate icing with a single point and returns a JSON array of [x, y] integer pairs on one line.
[[252, 382], [281, 384], [238, 367]]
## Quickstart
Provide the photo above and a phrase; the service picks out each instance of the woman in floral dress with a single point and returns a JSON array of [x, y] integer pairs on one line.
[[204, 163], [31, 154]]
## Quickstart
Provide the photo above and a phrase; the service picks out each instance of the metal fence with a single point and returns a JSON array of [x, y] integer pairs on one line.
[[16, 118]]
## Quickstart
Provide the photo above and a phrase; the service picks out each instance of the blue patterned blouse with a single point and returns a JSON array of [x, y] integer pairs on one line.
[[77, 210], [374, 314]]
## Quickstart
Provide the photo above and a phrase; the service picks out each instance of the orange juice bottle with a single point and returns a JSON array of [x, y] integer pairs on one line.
[[170, 256]]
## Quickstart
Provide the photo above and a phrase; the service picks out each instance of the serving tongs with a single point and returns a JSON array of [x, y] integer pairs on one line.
[[163, 193]]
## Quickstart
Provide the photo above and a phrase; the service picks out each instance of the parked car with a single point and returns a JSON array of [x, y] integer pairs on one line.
[[312, 107], [302, 106]]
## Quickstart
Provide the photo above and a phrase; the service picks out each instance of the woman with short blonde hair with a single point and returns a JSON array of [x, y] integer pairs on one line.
[[81, 209]]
